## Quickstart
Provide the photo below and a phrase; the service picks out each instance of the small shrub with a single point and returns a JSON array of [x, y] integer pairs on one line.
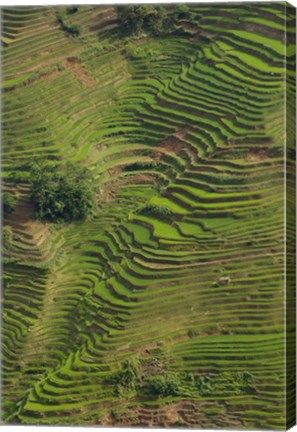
[[180, 423], [9, 202], [203, 384], [127, 380], [247, 378], [71, 10], [193, 333], [141, 166], [74, 29], [6, 280], [164, 385], [118, 413], [224, 383], [158, 212], [182, 11]]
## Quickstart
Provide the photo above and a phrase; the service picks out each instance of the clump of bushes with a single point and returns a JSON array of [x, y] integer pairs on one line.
[[164, 385], [9, 203], [134, 380], [193, 333], [128, 381], [61, 193], [72, 10], [182, 11], [224, 383], [73, 30], [203, 384], [150, 376], [150, 19], [154, 19], [140, 166], [159, 212]]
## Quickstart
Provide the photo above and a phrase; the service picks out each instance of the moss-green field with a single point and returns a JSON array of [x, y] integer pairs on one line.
[[166, 307]]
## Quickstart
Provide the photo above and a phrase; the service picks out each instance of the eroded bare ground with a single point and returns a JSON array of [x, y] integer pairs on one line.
[[73, 64], [110, 189], [22, 219], [257, 155], [177, 143], [187, 413], [30, 237]]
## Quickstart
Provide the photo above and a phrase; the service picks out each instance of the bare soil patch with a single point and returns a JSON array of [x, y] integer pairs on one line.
[[257, 155], [110, 189], [171, 144], [176, 144], [108, 21], [74, 65], [182, 132], [22, 219], [48, 75]]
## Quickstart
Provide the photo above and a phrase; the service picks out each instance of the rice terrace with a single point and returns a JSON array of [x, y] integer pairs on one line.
[[143, 239]]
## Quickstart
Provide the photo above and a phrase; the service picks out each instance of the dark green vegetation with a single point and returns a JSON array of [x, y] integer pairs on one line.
[[165, 306], [71, 30], [153, 20], [9, 202], [61, 193]]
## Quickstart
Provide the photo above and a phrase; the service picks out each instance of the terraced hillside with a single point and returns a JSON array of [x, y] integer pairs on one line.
[[167, 307]]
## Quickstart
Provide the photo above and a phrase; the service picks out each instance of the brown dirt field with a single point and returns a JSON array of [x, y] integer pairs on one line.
[[257, 155], [22, 214], [188, 26], [22, 219], [171, 144], [74, 65], [203, 33], [182, 133], [42, 77], [110, 189], [52, 74], [178, 414], [176, 143]]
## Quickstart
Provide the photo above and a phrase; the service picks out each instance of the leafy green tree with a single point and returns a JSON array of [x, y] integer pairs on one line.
[[164, 385], [142, 18], [132, 17], [61, 193], [9, 202], [181, 11], [155, 19]]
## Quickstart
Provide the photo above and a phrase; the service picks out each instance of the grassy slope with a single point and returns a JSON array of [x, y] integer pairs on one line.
[[202, 115]]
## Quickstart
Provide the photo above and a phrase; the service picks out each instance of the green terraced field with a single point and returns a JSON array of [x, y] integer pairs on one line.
[[168, 306]]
